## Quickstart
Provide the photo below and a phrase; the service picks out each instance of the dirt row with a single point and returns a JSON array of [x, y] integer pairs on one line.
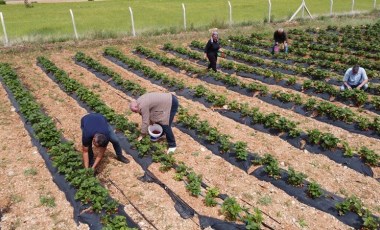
[[29, 199], [252, 189], [308, 163], [153, 201]]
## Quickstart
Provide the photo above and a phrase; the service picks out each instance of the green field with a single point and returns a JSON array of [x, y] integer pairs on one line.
[[111, 17]]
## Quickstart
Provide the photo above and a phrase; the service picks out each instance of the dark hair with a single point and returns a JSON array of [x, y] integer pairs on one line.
[[101, 140]]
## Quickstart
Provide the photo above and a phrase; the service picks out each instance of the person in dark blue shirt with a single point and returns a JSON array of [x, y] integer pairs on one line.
[[96, 132], [211, 50]]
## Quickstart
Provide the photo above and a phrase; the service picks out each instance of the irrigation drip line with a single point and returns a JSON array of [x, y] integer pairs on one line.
[[262, 211], [122, 192]]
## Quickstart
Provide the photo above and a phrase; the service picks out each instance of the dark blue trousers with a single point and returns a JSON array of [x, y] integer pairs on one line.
[[167, 129]]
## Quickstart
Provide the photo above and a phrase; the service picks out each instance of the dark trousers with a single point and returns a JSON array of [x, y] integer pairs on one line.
[[167, 129], [115, 143], [212, 58]]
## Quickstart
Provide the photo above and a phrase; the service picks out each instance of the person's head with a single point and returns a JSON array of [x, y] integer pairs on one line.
[[280, 30], [355, 69], [134, 107], [100, 140], [214, 35]]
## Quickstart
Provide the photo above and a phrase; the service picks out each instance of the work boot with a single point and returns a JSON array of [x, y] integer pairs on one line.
[[122, 159]]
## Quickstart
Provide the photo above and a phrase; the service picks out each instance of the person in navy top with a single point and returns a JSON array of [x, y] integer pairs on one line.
[[211, 50], [96, 132]]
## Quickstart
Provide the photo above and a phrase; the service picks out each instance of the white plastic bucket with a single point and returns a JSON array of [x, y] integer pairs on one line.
[[155, 131]]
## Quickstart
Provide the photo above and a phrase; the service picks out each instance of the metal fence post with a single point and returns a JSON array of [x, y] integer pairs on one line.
[[229, 4], [4, 30], [133, 23], [184, 15], [352, 6], [331, 7], [73, 20], [270, 10]]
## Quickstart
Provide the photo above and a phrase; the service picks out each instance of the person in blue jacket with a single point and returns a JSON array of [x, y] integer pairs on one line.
[[97, 133]]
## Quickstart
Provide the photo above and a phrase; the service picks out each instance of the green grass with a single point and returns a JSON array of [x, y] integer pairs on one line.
[[30, 172], [111, 18], [48, 201]]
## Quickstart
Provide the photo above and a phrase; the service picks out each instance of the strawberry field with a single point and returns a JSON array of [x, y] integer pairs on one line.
[[267, 142]]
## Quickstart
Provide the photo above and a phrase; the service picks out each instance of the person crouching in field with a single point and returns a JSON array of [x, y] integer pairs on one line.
[[280, 37], [159, 108], [97, 133], [355, 78], [211, 50]]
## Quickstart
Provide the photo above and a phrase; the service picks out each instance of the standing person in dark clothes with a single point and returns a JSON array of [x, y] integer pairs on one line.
[[159, 108], [96, 132], [211, 50], [280, 37]]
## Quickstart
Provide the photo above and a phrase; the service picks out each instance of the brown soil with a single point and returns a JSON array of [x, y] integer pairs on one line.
[[25, 180], [285, 211]]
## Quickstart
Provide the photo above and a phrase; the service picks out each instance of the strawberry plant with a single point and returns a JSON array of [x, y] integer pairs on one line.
[[363, 123], [115, 222], [272, 169], [314, 136], [348, 152], [234, 106], [376, 102], [212, 135], [314, 190], [369, 221], [351, 204], [369, 156], [295, 178], [231, 209], [254, 221], [194, 184], [167, 161], [240, 149], [180, 171], [200, 91], [225, 144], [211, 194], [329, 141], [310, 104]]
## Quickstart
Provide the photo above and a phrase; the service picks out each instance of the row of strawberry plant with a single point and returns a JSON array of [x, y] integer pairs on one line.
[[358, 97], [312, 72], [348, 30], [146, 147], [314, 191], [131, 86], [271, 121], [315, 74], [271, 168], [348, 60], [322, 63], [63, 155], [351, 41], [322, 108]]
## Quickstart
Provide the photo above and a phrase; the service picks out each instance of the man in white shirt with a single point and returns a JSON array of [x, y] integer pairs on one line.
[[355, 78]]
